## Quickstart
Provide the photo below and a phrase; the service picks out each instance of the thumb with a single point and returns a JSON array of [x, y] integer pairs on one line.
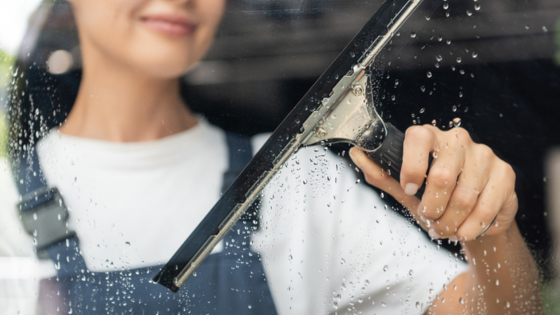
[[377, 177]]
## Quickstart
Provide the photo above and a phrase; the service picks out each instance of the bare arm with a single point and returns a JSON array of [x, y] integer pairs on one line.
[[504, 281]]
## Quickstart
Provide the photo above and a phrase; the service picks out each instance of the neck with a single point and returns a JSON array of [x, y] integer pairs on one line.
[[120, 105]]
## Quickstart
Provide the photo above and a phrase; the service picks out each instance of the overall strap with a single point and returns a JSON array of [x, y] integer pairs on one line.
[[239, 154], [28, 174], [42, 209]]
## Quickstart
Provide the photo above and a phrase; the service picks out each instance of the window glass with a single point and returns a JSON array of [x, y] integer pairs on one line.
[[320, 238]]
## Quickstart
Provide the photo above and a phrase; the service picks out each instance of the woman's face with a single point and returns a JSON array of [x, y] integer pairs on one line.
[[161, 38]]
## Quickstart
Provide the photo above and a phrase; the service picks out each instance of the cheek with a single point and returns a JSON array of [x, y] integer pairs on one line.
[[211, 13], [105, 23]]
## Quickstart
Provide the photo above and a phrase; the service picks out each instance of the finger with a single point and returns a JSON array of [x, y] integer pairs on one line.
[[377, 177], [419, 142], [463, 198], [450, 152], [497, 201], [441, 181]]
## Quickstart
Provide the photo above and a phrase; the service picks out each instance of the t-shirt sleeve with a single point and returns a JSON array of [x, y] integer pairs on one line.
[[329, 243]]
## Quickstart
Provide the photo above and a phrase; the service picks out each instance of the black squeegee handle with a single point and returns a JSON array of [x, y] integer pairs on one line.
[[390, 155]]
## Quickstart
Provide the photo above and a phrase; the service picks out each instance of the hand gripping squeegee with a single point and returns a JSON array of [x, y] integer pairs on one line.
[[336, 109]]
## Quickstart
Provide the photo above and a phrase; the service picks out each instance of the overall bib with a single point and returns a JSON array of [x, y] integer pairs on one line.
[[229, 282]]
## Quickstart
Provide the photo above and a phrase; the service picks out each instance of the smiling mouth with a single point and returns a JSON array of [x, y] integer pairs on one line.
[[173, 26]]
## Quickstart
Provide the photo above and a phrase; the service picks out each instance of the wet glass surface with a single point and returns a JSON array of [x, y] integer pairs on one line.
[[327, 241]]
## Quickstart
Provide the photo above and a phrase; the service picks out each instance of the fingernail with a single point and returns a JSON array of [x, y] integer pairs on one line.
[[433, 234], [454, 238], [410, 189]]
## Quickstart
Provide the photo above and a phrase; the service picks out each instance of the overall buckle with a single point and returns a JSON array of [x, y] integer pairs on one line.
[[44, 216]]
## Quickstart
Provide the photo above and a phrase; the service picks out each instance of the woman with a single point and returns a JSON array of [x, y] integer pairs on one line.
[[130, 156]]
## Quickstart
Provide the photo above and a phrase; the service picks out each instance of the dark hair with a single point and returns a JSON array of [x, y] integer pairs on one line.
[[38, 99]]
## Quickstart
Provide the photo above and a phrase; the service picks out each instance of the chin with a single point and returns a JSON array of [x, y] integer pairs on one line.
[[165, 68], [168, 71], [167, 64]]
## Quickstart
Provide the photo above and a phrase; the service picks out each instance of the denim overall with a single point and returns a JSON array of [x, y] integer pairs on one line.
[[229, 282]]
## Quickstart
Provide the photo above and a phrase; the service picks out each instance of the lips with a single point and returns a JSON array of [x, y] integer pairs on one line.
[[170, 25]]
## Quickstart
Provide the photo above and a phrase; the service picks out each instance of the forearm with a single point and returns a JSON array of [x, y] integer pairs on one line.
[[503, 278]]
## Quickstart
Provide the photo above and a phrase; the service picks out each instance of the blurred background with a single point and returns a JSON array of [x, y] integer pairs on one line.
[[494, 64]]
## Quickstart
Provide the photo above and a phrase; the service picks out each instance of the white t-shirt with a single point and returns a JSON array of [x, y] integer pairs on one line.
[[327, 242]]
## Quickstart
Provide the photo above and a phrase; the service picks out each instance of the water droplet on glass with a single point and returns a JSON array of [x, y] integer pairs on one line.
[[477, 6], [412, 34], [417, 304], [435, 154], [429, 74], [454, 108], [439, 58], [469, 12], [474, 54], [250, 306], [459, 60], [385, 268], [446, 6], [457, 122], [342, 261]]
